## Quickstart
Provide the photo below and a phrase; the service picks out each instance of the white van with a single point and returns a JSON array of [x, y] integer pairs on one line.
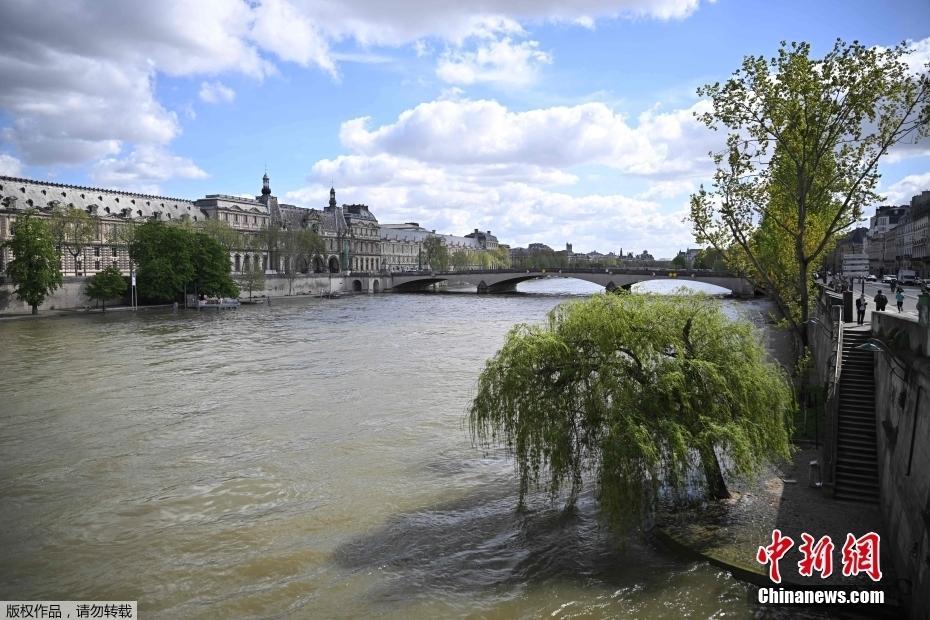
[[908, 276]]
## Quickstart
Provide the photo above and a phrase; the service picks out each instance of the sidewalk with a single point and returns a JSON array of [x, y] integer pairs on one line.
[[871, 289], [729, 533]]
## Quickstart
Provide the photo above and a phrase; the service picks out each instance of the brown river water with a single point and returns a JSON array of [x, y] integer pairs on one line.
[[303, 460]]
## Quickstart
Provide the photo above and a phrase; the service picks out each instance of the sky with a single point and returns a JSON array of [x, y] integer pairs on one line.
[[547, 121]]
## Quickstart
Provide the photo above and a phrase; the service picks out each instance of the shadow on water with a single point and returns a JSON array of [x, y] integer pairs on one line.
[[479, 551], [481, 543]]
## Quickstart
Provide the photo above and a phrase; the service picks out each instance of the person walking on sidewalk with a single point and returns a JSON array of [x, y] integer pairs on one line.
[[880, 301], [899, 297], [861, 303]]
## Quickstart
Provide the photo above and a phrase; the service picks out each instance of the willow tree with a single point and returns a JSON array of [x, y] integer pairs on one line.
[[801, 161], [637, 390]]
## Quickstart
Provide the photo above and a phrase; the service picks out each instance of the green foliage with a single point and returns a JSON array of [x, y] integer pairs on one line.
[[680, 261], [251, 278], [221, 232], [434, 253], [35, 266], [171, 259], [106, 284], [801, 163], [210, 262], [635, 389], [72, 229]]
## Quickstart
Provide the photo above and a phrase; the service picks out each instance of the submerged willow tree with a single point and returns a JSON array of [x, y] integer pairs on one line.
[[636, 390]]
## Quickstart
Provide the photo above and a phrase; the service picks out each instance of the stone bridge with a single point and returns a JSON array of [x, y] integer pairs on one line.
[[506, 280]]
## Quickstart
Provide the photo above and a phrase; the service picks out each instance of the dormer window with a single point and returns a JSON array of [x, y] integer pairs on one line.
[[107, 209], [139, 212], [63, 194], [43, 192], [116, 199], [133, 201]]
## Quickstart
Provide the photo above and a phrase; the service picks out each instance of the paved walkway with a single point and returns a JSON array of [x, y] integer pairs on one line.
[[871, 289], [729, 533]]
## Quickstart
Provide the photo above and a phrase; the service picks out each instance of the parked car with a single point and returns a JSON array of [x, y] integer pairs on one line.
[[871, 277], [888, 279]]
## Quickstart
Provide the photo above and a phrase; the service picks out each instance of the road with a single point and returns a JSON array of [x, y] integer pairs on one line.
[[871, 288]]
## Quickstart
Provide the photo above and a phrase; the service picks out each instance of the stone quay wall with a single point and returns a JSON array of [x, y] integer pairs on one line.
[[902, 386], [72, 294]]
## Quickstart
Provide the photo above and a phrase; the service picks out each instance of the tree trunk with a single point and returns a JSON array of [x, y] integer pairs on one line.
[[35, 308], [103, 305], [716, 486]]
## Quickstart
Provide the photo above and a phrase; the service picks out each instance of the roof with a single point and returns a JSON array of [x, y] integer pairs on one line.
[[41, 194]]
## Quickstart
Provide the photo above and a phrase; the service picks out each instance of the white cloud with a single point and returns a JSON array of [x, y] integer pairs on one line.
[[216, 92], [143, 169], [502, 61], [291, 34], [518, 213], [455, 165], [463, 131], [10, 166], [902, 191], [668, 189]]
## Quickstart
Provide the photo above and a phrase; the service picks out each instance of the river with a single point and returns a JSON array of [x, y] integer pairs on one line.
[[303, 460]]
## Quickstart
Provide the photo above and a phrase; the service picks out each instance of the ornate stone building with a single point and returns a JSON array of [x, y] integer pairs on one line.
[[352, 237]]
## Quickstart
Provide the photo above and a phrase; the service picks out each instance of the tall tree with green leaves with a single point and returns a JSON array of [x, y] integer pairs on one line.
[[251, 278], [210, 267], [805, 139], [73, 229], [35, 268], [635, 389], [221, 232], [163, 258], [106, 284], [434, 253], [298, 247]]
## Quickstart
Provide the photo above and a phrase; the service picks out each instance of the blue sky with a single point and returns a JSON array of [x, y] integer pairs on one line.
[[540, 120]]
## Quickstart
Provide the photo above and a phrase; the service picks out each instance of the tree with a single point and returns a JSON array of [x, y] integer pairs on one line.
[[298, 247], [635, 389], [500, 257], [459, 260], [163, 258], [72, 229], [35, 268], [221, 232], [252, 278], [106, 284], [680, 261], [805, 139], [434, 253], [210, 267]]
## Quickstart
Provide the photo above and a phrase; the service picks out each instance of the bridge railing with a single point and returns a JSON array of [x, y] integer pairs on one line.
[[680, 273]]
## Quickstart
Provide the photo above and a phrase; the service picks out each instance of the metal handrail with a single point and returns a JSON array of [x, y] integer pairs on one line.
[[831, 409]]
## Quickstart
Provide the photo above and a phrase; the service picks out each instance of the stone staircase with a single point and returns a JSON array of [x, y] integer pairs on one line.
[[856, 473]]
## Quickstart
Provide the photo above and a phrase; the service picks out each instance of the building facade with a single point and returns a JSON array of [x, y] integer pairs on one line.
[[353, 240]]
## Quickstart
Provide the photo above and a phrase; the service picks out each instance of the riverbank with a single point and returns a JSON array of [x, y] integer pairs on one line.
[[728, 533]]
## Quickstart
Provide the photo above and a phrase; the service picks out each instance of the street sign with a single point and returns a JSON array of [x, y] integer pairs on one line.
[[133, 279]]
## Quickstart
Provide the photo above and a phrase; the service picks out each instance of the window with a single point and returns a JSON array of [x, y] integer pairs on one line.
[[116, 264], [114, 251], [235, 219], [97, 251], [226, 217], [97, 265]]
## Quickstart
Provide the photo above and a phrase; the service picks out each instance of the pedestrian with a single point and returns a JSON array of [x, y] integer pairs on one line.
[[861, 303], [880, 301], [899, 297]]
